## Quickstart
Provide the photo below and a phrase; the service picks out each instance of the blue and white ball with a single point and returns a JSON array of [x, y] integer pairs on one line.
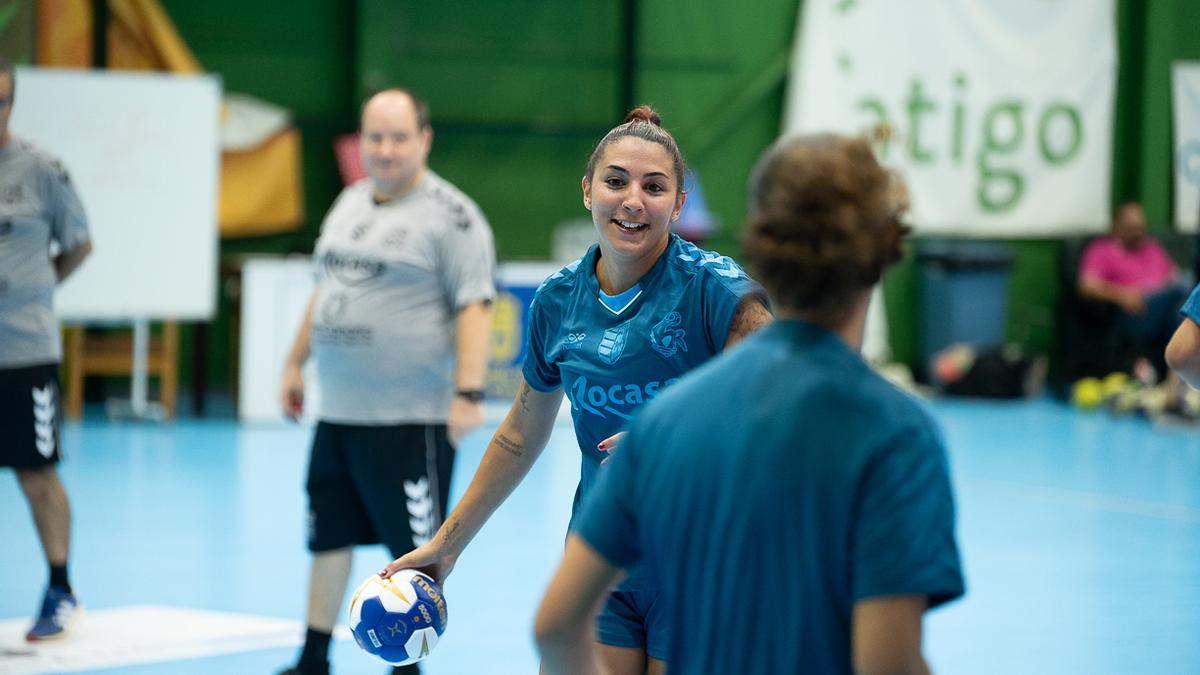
[[398, 619]]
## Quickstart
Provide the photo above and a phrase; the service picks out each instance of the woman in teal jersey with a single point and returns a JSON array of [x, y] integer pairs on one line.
[[611, 331], [795, 508]]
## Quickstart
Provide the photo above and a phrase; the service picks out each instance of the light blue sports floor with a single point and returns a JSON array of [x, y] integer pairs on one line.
[[1080, 535]]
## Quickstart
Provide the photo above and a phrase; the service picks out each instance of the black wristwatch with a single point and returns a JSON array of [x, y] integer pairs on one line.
[[472, 395]]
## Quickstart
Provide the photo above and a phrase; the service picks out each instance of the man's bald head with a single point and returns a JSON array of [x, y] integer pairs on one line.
[[397, 96]]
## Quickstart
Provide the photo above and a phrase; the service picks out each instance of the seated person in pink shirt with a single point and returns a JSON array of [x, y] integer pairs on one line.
[[1130, 269]]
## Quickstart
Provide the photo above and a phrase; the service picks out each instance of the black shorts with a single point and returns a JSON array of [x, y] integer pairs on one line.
[[377, 484], [30, 411]]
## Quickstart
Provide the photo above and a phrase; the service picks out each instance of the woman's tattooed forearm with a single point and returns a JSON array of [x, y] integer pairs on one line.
[[510, 446], [451, 530]]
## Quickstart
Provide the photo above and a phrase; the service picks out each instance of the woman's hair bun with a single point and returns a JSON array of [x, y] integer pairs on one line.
[[644, 113]]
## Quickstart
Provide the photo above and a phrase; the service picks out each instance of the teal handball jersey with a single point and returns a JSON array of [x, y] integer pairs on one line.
[[611, 357]]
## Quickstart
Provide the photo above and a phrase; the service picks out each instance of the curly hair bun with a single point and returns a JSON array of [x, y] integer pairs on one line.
[[824, 222], [644, 113]]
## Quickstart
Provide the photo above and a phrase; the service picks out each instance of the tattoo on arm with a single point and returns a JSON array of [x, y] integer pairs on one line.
[[451, 530], [750, 316], [524, 396], [510, 446]]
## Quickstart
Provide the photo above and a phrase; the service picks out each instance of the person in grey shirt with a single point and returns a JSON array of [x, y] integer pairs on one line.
[[43, 238], [399, 325]]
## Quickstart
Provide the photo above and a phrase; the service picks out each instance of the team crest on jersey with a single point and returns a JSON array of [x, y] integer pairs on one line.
[[612, 345], [667, 338]]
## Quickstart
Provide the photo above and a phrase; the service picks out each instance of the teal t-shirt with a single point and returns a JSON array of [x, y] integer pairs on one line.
[[767, 493]]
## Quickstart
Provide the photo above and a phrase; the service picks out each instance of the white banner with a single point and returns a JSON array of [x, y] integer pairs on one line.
[[1001, 112], [1185, 80]]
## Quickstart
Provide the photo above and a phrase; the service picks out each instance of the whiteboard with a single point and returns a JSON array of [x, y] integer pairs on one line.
[[142, 150]]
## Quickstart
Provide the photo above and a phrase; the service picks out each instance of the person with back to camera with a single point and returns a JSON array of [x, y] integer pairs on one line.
[[611, 330], [38, 209], [399, 323], [795, 507]]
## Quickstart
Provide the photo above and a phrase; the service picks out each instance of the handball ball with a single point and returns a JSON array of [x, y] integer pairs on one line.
[[398, 619]]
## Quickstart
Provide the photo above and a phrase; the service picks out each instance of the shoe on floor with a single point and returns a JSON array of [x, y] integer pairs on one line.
[[60, 611]]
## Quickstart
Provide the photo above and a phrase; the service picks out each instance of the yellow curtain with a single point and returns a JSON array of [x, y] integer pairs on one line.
[[260, 190], [64, 33], [142, 37]]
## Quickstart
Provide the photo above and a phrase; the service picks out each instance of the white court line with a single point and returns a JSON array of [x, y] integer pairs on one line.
[[123, 636], [1091, 500]]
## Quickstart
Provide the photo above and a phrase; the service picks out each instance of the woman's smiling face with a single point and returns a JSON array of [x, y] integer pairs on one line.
[[633, 195]]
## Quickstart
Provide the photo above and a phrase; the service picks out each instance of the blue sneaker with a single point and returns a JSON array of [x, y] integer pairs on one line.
[[60, 609]]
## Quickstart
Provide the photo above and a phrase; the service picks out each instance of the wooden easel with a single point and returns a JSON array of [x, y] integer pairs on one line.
[[136, 355]]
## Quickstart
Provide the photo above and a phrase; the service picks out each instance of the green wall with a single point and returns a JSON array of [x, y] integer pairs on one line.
[[521, 90], [518, 92]]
